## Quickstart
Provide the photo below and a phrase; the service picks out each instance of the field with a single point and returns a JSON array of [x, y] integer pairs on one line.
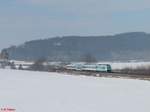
[[130, 64], [28, 91]]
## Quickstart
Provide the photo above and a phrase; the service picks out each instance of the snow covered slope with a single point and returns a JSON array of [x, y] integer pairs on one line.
[[51, 92]]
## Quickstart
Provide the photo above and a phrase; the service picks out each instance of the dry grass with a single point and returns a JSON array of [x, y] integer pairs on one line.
[[137, 71]]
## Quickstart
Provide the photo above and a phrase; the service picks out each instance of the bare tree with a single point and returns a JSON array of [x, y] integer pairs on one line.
[[38, 65], [89, 58], [4, 54]]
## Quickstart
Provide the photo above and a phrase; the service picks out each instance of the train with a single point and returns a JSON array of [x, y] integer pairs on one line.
[[90, 67]]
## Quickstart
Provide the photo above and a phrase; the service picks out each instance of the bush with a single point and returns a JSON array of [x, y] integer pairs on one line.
[[137, 71], [38, 65]]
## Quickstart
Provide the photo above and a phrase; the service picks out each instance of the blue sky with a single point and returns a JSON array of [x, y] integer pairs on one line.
[[23, 20]]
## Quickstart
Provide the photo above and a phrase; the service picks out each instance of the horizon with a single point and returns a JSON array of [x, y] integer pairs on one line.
[[23, 20]]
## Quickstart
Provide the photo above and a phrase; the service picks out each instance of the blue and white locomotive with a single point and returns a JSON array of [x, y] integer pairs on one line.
[[90, 67]]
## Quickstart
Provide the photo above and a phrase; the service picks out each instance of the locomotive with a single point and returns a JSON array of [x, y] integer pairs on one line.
[[90, 67]]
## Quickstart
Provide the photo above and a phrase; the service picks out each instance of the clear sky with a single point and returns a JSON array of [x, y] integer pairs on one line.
[[23, 20]]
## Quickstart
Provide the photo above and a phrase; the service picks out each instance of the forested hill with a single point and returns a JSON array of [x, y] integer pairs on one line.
[[125, 46]]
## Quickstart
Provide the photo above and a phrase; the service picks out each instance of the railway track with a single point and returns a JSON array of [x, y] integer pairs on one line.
[[105, 74]]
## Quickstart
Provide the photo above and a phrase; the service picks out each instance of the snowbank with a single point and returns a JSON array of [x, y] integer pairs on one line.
[[51, 92]]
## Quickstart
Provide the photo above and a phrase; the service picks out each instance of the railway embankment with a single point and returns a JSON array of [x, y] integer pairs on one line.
[[115, 74]]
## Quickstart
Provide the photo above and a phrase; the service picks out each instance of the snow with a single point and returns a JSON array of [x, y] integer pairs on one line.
[[122, 65], [28, 91], [115, 65]]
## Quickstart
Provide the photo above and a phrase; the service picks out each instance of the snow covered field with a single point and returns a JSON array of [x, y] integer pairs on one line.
[[122, 65], [28, 91]]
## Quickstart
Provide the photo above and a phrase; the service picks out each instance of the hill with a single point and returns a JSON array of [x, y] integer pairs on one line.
[[125, 46]]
